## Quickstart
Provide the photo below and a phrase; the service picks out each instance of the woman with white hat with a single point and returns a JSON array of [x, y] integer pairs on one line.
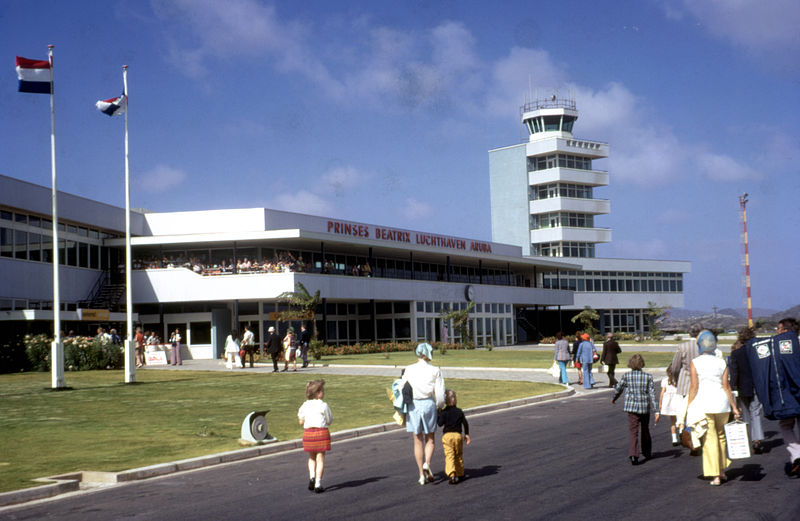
[[427, 386]]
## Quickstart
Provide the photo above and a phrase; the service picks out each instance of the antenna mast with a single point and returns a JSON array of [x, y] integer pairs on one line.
[[743, 206]]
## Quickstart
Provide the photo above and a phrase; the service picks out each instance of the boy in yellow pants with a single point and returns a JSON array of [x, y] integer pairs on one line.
[[452, 419]]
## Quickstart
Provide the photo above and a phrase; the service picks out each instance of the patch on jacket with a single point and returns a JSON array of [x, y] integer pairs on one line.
[[786, 347], [762, 348]]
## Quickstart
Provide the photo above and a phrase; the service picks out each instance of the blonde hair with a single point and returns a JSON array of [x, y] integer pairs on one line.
[[450, 398], [314, 388]]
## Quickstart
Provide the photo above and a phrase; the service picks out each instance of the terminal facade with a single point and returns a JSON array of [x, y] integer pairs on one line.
[[377, 283]]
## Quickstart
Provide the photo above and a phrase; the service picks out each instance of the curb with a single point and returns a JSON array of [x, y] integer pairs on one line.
[[84, 480]]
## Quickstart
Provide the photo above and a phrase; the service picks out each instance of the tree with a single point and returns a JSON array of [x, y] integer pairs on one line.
[[587, 318], [460, 318], [302, 305], [655, 315]]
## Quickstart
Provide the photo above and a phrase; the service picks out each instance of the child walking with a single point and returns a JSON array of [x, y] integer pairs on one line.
[[640, 400], [669, 404], [452, 419], [315, 416]]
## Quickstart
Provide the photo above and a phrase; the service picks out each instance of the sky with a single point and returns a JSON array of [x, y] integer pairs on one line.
[[384, 113]]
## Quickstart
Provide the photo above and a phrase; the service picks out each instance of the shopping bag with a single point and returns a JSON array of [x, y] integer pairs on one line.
[[736, 439], [555, 371]]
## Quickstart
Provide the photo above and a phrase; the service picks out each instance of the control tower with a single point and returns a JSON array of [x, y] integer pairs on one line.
[[542, 193]]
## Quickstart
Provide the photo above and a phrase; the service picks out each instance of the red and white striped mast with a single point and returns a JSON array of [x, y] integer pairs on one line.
[[743, 205]]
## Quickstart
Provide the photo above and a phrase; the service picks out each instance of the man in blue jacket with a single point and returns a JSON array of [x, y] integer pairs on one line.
[[775, 365]]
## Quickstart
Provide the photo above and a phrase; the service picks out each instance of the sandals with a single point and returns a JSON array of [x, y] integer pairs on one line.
[[427, 472]]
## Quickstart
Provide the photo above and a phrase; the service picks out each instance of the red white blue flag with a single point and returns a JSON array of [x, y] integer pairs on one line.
[[113, 106], [34, 76]]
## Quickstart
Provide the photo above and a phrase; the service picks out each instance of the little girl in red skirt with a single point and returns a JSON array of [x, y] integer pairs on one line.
[[315, 416]]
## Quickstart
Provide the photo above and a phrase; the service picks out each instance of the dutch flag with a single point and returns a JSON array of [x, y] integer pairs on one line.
[[113, 106], [34, 76]]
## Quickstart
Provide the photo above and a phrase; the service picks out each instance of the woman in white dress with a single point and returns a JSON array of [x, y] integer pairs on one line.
[[427, 386], [232, 350], [710, 393]]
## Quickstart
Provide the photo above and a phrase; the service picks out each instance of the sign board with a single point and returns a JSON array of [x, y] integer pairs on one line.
[[93, 314], [156, 358]]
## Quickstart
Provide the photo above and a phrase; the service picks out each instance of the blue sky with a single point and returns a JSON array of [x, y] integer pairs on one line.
[[384, 112]]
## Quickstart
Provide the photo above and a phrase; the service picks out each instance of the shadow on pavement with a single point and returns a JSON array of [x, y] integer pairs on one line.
[[488, 470], [354, 483], [749, 472], [672, 453]]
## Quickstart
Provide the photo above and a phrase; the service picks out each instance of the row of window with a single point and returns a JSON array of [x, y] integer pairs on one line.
[[563, 249], [38, 247], [559, 160], [550, 123], [550, 190], [559, 219], [24, 220], [615, 282], [446, 307]]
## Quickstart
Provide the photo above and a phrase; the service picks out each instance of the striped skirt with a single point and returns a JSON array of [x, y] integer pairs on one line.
[[316, 440]]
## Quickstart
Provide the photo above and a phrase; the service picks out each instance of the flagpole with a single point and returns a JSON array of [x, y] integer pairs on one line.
[[57, 348], [130, 365]]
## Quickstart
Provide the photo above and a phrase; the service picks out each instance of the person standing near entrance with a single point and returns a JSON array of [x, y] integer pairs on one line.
[[175, 352], [139, 339], [273, 348], [305, 340], [248, 345], [610, 351]]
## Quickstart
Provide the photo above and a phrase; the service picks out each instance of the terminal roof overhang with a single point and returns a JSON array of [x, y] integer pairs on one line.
[[310, 240]]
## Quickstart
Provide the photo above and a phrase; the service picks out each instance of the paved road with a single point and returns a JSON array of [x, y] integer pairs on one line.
[[562, 459]]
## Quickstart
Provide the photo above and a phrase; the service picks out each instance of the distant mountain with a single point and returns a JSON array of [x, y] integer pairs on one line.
[[727, 319]]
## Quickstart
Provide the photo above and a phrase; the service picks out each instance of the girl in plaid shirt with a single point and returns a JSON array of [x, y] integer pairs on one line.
[[640, 399]]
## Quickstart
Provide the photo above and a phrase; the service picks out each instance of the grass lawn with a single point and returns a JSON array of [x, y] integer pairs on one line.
[[103, 424], [484, 358]]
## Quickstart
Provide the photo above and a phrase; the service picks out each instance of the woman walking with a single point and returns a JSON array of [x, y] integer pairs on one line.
[[710, 395], [427, 386], [562, 356], [586, 356]]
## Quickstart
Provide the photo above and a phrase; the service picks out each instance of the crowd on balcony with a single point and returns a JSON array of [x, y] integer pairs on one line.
[[282, 262]]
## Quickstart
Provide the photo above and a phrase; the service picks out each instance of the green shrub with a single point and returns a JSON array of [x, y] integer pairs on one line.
[[80, 353], [38, 350]]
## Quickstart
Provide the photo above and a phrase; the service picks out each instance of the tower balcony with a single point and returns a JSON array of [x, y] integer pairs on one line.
[[565, 233], [568, 175], [549, 144], [570, 204]]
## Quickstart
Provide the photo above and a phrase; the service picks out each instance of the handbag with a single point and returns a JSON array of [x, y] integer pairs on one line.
[[555, 370], [242, 352], [686, 438], [595, 356]]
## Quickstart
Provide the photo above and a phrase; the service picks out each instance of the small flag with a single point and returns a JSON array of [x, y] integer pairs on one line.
[[113, 106], [34, 75]]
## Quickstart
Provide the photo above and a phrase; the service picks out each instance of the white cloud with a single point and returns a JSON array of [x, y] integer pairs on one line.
[[762, 28], [341, 180], [415, 210], [160, 179], [302, 201], [510, 80], [723, 168]]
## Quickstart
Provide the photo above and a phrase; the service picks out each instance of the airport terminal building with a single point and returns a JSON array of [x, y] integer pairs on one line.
[[208, 271]]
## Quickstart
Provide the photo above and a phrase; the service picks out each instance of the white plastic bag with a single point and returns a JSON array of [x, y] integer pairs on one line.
[[555, 370]]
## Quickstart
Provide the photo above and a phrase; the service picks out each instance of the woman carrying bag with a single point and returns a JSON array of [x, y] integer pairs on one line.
[[710, 395]]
